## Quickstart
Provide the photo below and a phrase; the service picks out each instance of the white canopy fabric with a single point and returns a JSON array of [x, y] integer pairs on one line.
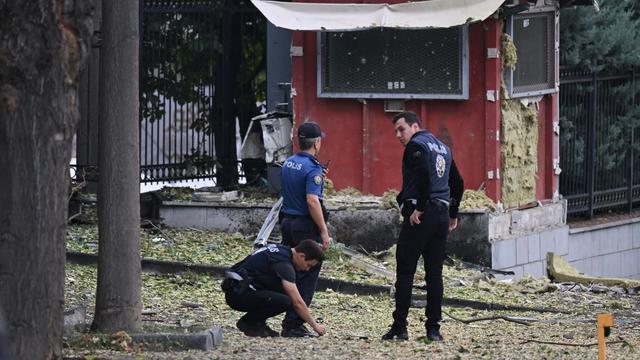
[[345, 17]]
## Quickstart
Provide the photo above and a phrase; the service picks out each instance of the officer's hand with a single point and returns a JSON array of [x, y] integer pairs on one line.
[[325, 241], [325, 171], [453, 224], [414, 219], [319, 328]]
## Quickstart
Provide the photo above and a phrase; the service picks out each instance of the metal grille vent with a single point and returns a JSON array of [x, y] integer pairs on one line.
[[534, 37], [392, 63], [193, 5]]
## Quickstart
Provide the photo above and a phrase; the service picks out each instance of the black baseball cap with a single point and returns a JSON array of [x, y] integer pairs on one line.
[[309, 130]]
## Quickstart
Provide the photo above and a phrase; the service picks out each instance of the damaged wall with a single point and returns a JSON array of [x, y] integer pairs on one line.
[[519, 138], [360, 142]]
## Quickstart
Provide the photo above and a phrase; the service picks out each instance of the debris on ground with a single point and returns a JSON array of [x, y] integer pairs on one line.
[[389, 200], [560, 270], [168, 193], [486, 318], [348, 197], [349, 191], [328, 187], [476, 199], [206, 196]]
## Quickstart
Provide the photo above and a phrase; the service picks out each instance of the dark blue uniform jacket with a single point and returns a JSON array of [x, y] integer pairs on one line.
[[429, 173]]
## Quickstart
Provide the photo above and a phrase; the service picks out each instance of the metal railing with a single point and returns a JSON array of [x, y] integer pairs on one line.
[[600, 141], [188, 104], [202, 73]]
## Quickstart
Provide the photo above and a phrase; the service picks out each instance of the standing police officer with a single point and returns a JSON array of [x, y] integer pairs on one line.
[[263, 285], [302, 215], [431, 192]]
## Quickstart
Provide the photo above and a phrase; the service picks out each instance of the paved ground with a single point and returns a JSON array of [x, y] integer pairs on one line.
[[355, 323]]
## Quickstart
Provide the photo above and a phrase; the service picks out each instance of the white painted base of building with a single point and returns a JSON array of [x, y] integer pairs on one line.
[[606, 250]]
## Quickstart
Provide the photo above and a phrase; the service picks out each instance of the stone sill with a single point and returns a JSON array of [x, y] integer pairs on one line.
[[604, 226]]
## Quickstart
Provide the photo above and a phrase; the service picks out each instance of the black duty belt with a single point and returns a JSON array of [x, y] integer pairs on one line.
[[438, 203], [289, 216]]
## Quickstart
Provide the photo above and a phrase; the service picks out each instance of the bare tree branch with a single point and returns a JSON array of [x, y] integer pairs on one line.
[[569, 344], [517, 320]]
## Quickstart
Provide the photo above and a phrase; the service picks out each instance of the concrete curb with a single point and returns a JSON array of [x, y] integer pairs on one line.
[[205, 340], [603, 226], [74, 317], [169, 267], [420, 301], [341, 286]]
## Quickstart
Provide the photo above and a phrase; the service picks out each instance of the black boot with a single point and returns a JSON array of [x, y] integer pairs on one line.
[[251, 328], [399, 332], [433, 333], [269, 332]]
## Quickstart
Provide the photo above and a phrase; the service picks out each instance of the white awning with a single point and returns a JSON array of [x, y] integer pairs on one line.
[[345, 17]]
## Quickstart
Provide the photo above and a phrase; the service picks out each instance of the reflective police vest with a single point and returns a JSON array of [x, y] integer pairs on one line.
[[258, 266], [439, 162]]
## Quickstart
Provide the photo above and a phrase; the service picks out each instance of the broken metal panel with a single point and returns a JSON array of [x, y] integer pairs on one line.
[[346, 17]]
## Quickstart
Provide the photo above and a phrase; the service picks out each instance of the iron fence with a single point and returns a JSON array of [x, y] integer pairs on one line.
[[600, 141], [202, 78], [201, 73]]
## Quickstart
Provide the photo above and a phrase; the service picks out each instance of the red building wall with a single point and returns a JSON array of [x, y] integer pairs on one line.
[[360, 142]]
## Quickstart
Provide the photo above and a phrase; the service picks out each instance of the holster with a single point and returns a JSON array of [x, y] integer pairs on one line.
[[325, 212], [234, 281]]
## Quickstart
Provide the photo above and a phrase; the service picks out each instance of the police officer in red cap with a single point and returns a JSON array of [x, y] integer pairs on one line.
[[302, 215]]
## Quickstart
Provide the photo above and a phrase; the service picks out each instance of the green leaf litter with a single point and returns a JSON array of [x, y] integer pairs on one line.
[[188, 303]]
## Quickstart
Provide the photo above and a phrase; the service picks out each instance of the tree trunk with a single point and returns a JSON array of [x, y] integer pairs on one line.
[[42, 46], [118, 305], [225, 136]]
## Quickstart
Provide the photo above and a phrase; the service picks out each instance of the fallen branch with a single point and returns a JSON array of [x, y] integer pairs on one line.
[[76, 189], [70, 219], [483, 269], [496, 307], [569, 344], [517, 320], [366, 264], [158, 229]]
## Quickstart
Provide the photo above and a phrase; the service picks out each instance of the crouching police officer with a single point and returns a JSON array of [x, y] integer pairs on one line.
[[264, 285]]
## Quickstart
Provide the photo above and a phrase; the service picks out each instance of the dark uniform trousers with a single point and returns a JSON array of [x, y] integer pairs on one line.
[[258, 304], [294, 230], [427, 239]]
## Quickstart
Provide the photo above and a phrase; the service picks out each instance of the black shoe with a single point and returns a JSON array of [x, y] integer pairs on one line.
[[433, 333], [250, 328], [269, 331], [298, 331], [399, 332]]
